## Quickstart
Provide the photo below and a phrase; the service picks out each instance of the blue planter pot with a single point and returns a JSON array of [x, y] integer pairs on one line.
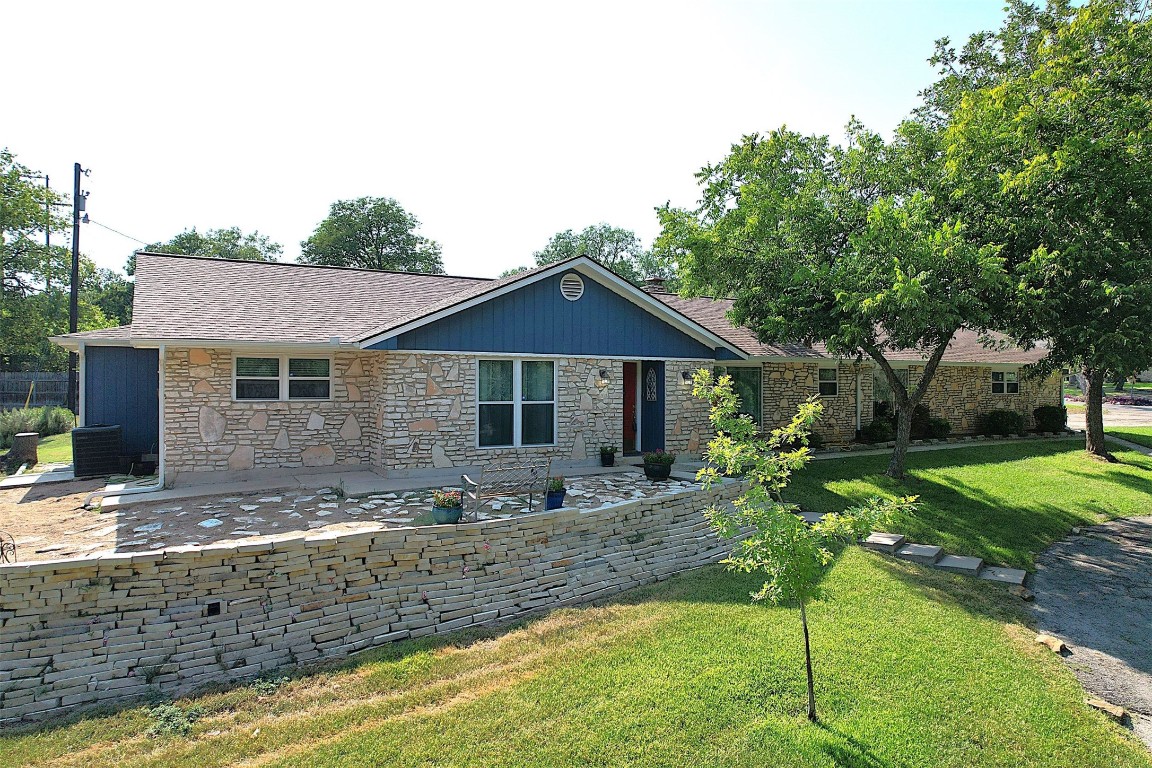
[[657, 471], [446, 515], [554, 499]]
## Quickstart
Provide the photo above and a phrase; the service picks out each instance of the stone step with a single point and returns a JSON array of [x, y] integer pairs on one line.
[[927, 554], [1013, 576], [810, 517], [884, 542], [969, 566]]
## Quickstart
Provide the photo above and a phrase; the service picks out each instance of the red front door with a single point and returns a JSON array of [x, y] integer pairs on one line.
[[629, 408]]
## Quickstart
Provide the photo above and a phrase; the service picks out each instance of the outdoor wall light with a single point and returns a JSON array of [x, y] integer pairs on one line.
[[686, 375], [603, 378]]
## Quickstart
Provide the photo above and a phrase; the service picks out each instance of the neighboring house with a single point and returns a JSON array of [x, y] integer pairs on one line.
[[241, 367]]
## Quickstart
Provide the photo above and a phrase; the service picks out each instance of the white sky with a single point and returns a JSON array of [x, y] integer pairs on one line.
[[497, 125]]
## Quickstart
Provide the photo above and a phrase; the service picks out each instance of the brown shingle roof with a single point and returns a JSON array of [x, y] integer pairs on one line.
[[119, 332], [190, 297]]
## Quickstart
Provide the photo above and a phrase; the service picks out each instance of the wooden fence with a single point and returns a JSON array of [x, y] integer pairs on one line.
[[48, 388]]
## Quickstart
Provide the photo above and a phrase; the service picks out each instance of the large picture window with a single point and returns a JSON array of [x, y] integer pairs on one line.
[[1005, 383], [746, 385], [517, 403], [283, 378]]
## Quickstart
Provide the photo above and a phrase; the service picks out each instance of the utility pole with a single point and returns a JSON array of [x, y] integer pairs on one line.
[[78, 205]]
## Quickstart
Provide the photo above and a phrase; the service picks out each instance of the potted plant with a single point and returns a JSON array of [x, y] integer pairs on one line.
[[607, 455], [447, 507], [658, 464], [554, 499]]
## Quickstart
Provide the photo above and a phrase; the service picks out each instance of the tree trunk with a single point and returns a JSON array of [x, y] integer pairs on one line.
[[808, 664], [1094, 415], [903, 439]]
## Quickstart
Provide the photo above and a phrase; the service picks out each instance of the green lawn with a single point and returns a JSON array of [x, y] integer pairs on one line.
[[55, 448], [914, 668], [1138, 435], [1002, 502]]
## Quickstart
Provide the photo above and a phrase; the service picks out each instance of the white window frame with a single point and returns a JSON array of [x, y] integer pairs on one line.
[[283, 378], [1005, 382], [726, 366], [835, 382], [518, 402]]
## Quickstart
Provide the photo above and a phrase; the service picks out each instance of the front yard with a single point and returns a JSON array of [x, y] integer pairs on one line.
[[915, 667]]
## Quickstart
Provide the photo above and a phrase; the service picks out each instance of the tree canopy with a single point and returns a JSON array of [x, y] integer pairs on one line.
[[228, 243], [616, 248], [854, 246], [372, 233]]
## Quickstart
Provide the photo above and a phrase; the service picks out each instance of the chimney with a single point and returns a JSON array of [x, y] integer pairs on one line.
[[654, 285]]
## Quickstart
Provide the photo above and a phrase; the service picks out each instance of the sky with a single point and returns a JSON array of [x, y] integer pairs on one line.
[[495, 124]]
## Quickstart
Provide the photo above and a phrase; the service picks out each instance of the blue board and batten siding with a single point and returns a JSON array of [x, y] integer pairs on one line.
[[122, 386], [537, 319]]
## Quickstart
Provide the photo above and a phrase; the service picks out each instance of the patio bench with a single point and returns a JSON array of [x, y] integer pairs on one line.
[[498, 480]]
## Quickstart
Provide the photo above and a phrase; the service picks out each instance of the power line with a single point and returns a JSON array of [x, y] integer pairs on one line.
[[116, 231]]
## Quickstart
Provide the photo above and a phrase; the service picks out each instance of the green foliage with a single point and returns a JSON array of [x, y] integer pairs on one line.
[[1002, 422], [1051, 418], [555, 484], [228, 243], [371, 233], [938, 428], [877, 431], [266, 686], [447, 499], [172, 720], [659, 456], [616, 248], [611, 449], [47, 420]]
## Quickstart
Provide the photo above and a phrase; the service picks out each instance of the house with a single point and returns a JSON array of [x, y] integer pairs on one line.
[[239, 368]]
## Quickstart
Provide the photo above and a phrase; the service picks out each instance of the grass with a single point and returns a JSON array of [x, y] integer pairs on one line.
[[1002, 502], [914, 667], [1138, 435], [55, 449]]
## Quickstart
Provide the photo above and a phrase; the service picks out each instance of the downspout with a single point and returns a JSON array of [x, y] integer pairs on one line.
[[859, 397], [80, 396], [159, 484]]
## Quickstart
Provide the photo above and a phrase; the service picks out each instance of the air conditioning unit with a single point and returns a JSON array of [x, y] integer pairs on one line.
[[96, 450]]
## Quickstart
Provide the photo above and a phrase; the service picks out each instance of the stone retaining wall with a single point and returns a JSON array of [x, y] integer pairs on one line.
[[79, 632]]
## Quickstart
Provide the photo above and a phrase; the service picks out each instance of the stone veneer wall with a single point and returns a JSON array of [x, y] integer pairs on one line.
[[962, 394], [79, 632], [788, 384], [686, 426], [426, 412], [205, 430]]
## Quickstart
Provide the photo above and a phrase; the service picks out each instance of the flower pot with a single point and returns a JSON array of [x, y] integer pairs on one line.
[[659, 471], [607, 459], [554, 499], [446, 515]]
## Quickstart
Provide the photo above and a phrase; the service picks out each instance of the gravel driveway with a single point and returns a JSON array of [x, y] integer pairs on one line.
[[1094, 591]]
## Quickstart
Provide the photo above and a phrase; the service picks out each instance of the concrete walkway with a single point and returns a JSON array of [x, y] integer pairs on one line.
[[1094, 592], [1117, 416]]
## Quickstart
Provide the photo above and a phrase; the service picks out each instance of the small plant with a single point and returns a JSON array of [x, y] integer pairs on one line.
[[447, 499], [878, 431], [607, 449], [1002, 422], [266, 686], [660, 456], [1051, 418], [171, 720], [938, 429], [555, 484]]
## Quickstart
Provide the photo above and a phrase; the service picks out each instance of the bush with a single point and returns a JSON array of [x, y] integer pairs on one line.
[[878, 431], [1051, 418], [1000, 422], [49, 420], [659, 456], [920, 422], [938, 429], [171, 720]]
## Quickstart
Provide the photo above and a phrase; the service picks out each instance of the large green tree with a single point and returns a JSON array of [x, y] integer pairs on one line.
[[228, 243], [616, 248], [855, 246], [1049, 138], [372, 233]]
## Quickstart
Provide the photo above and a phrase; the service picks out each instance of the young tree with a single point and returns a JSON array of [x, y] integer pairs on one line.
[[372, 233], [228, 243], [857, 247], [1048, 133], [773, 539]]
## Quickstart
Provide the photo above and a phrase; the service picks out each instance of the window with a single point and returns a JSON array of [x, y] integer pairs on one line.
[[283, 378], [517, 403], [828, 383], [1005, 383], [746, 385]]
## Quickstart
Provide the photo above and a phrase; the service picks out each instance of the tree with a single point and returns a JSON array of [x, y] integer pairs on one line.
[[771, 538], [618, 249], [228, 243], [372, 233], [1048, 133], [110, 292], [854, 246], [513, 271]]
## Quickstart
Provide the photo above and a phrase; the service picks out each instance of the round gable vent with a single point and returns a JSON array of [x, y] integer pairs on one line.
[[571, 286]]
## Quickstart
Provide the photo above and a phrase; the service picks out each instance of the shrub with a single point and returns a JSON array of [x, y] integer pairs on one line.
[[816, 441], [938, 429], [659, 457], [1051, 418], [48, 420], [608, 449], [920, 422], [878, 431], [555, 484], [1002, 422], [171, 720]]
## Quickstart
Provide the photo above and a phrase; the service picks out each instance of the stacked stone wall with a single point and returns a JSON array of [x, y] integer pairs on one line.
[[81, 632], [686, 426], [205, 430], [788, 384], [962, 394]]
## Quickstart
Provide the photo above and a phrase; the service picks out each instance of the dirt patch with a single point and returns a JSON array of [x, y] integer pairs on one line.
[[49, 521]]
